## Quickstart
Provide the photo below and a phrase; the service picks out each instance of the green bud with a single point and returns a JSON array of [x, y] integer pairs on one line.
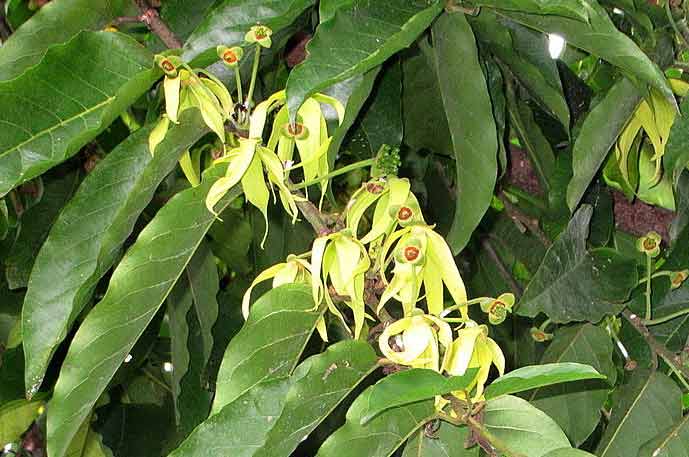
[[649, 244], [677, 278], [540, 336], [259, 34], [169, 64], [387, 162], [231, 56]]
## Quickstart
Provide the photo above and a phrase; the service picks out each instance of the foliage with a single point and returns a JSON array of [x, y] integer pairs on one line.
[[259, 228]]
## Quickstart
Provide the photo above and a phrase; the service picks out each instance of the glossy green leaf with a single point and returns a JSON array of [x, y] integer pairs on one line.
[[447, 441], [410, 386], [192, 310], [425, 123], [593, 142], [535, 376], [576, 407], [676, 157], [362, 35], [646, 405], [87, 237], [673, 442], [333, 375], [568, 452], [573, 284], [270, 343], [600, 38], [138, 287], [522, 428], [328, 8], [381, 123], [274, 416], [472, 127], [55, 23], [574, 9], [522, 51], [74, 93], [381, 436], [36, 223], [228, 21]]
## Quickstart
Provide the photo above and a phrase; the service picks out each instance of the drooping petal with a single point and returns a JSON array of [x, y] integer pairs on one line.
[[260, 113], [262, 276], [463, 349], [286, 275], [256, 190], [158, 133], [171, 87], [188, 169], [439, 253], [360, 201], [335, 103]]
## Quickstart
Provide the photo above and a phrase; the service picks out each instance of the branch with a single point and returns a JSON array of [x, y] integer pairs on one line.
[[151, 18], [670, 357], [521, 218], [313, 215], [507, 276]]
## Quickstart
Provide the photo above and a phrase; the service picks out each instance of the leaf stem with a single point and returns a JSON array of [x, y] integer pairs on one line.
[[334, 173], [649, 266], [238, 78], [669, 317], [657, 274], [677, 373], [254, 75]]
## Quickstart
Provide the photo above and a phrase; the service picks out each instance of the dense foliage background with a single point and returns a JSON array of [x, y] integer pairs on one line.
[[547, 141]]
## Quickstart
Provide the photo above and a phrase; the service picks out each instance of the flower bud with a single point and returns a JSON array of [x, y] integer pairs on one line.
[[649, 244], [259, 34], [499, 308], [540, 336], [677, 278], [231, 56]]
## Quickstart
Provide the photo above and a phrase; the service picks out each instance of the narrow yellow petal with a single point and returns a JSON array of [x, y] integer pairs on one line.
[[158, 133], [256, 191], [171, 88], [263, 276], [188, 169]]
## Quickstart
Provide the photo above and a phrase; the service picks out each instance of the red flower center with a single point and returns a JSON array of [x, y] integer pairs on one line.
[[649, 244], [374, 188], [411, 253], [295, 130], [167, 65], [404, 213], [229, 56]]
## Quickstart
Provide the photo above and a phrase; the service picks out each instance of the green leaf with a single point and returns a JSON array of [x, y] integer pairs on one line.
[[274, 416], [138, 287], [593, 142], [425, 123], [676, 157], [36, 223], [574, 9], [87, 237], [381, 436], [573, 284], [568, 452], [671, 443], [362, 36], [10, 312], [328, 8], [72, 94], [382, 121], [229, 20], [576, 407], [535, 376], [270, 343], [647, 404], [16, 417], [600, 38], [523, 52], [55, 23], [523, 429], [333, 375], [191, 338], [410, 386], [447, 441], [12, 385], [472, 127]]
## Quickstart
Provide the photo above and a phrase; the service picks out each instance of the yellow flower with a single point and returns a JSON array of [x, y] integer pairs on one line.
[[294, 270], [473, 348], [416, 339]]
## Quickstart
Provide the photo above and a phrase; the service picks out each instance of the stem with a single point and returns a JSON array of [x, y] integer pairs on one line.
[[494, 441], [671, 18], [669, 317], [150, 17], [507, 276], [155, 380], [338, 172], [649, 266], [657, 274], [677, 373], [238, 78], [529, 223], [670, 358], [254, 74]]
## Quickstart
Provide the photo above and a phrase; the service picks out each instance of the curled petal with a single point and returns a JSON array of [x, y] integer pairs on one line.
[[263, 276]]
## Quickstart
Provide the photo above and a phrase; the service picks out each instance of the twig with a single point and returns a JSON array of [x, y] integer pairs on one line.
[[5, 31], [670, 357], [516, 288], [531, 224], [150, 17], [126, 20], [313, 216]]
